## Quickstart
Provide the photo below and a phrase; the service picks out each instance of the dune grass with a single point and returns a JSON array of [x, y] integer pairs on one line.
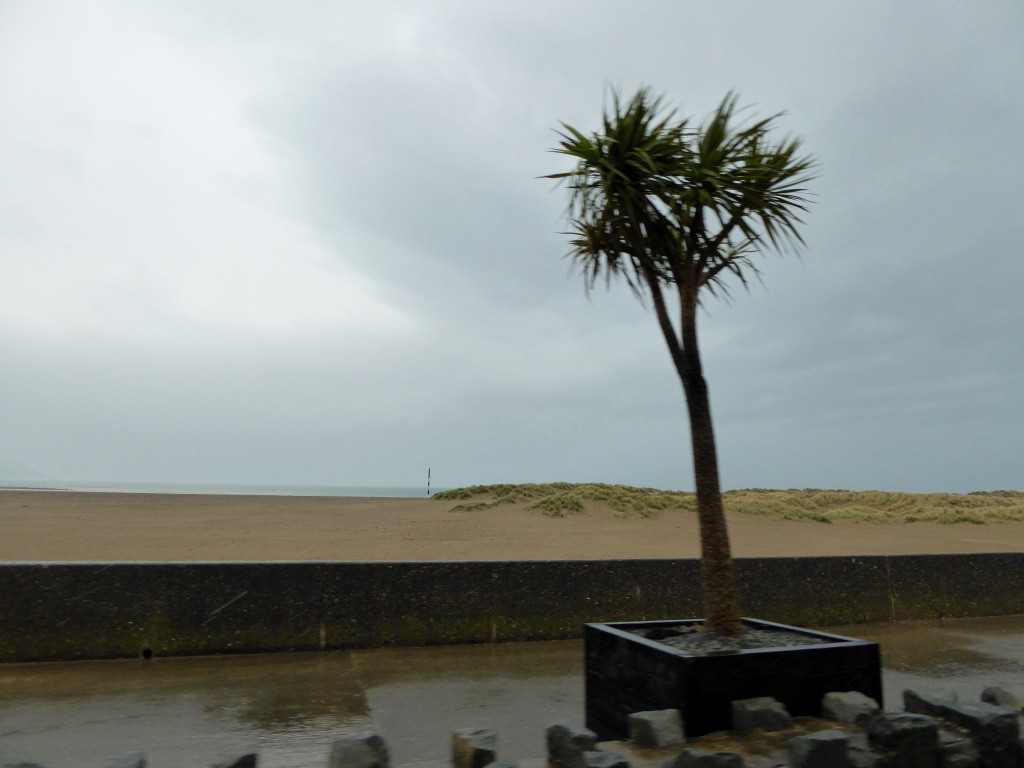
[[560, 499], [826, 506]]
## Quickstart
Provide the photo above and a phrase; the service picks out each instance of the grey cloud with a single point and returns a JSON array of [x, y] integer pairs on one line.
[[398, 148]]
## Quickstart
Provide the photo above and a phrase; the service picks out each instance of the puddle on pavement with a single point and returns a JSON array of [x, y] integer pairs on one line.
[[964, 655], [289, 707]]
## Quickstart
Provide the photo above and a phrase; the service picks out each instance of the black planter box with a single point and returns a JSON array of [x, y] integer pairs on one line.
[[627, 673]]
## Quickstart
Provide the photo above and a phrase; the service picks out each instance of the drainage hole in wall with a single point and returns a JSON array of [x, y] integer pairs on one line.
[[147, 653]]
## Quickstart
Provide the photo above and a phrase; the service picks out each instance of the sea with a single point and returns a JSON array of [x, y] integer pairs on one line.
[[229, 489]]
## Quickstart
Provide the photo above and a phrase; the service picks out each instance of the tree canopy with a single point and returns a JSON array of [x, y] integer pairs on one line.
[[658, 200], [676, 207]]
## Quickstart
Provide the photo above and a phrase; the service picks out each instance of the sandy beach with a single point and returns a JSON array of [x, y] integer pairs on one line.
[[55, 526]]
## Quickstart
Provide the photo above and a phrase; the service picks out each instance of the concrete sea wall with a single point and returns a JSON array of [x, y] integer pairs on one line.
[[109, 610]]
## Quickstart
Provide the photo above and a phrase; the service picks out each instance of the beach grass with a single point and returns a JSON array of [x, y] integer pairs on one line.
[[825, 506], [560, 499]]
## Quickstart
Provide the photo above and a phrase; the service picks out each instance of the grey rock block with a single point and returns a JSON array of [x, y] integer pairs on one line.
[[502, 764], [762, 712], [566, 744], [995, 731], [820, 749], [245, 761], [861, 755], [928, 701], [703, 758], [360, 750], [126, 760], [996, 694], [907, 739], [656, 728], [598, 759], [848, 707], [957, 751], [770, 760], [474, 748], [983, 720]]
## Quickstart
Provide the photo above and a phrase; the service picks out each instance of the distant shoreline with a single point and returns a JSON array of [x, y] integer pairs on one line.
[[223, 489], [31, 488]]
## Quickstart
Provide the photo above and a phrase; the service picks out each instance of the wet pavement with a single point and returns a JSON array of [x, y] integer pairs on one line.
[[289, 707], [963, 655]]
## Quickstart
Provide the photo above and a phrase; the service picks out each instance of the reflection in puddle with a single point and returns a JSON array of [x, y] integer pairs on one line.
[[936, 651], [180, 711], [964, 655], [289, 707]]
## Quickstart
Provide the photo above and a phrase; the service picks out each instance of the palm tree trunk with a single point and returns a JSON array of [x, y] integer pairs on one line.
[[721, 602]]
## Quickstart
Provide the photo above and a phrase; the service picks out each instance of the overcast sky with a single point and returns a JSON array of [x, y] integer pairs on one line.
[[256, 242]]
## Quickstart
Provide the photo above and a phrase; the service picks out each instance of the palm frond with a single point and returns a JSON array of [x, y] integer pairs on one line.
[[654, 199]]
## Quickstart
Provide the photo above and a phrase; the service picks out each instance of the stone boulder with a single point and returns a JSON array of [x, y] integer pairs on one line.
[[848, 707], [762, 712], [656, 728], [996, 694], [958, 751], [994, 730], [703, 758], [566, 745], [906, 739], [928, 701], [474, 748], [360, 750], [245, 761], [820, 749]]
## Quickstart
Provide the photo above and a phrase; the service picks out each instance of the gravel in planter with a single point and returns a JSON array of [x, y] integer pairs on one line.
[[692, 639]]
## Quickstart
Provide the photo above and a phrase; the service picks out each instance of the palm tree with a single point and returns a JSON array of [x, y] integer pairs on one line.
[[674, 209]]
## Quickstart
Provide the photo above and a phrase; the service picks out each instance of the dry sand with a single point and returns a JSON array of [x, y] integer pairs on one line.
[[70, 526]]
